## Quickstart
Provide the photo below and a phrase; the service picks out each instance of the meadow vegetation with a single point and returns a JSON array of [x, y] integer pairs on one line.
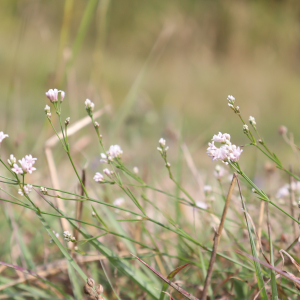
[[107, 187]]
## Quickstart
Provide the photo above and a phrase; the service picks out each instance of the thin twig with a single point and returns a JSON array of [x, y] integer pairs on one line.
[[217, 239]]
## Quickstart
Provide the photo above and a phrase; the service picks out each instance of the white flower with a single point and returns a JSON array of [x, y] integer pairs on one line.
[[245, 128], [162, 142], [252, 120], [67, 121], [2, 136], [219, 172], [234, 153], [12, 160], [27, 189], [43, 190], [221, 138], [135, 170], [93, 214], [47, 109], [89, 105], [20, 192], [68, 237], [225, 153], [230, 99], [118, 201], [212, 150], [49, 115], [107, 172], [103, 158], [201, 204], [16, 169], [114, 151], [207, 189], [98, 177], [283, 192]]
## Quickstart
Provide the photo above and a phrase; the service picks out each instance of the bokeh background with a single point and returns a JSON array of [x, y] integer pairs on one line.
[[164, 67]]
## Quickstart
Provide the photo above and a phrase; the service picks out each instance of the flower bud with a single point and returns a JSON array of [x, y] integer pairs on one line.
[[67, 122], [162, 142], [47, 109], [245, 129], [96, 124], [230, 99], [282, 130]]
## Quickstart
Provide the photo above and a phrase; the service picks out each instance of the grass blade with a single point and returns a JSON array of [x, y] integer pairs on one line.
[[273, 275], [258, 271]]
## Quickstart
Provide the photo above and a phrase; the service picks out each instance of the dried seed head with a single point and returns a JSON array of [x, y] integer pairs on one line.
[[87, 290], [282, 130], [90, 282], [99, 289]]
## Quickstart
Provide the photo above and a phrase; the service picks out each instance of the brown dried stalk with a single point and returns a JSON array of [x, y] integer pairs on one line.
[[217, 239]]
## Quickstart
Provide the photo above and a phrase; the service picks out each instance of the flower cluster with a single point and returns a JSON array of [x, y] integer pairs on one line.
[[252, 121], [27, 189], [52, 95], [26, 163], [98, 177], [231, 101], [89, 106], [228, 152], [114, 151], [68, 237], [43, 190], [162, 143]]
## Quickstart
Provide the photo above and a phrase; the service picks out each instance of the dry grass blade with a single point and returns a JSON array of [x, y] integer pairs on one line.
[[61, 265], [293, 278], [173, 285], [217, 239]]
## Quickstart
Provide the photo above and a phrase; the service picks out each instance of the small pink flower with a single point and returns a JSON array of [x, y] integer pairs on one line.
[[106, 172], [2, 136], [52, 95], [114, 151], [27, 189], [30, 160], [235, 153], [98, 177], [222, 154], [16, 169], [212, 150], [27, 167], [221, 138]]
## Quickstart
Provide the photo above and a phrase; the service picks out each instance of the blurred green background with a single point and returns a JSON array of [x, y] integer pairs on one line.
[[160, 65]]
